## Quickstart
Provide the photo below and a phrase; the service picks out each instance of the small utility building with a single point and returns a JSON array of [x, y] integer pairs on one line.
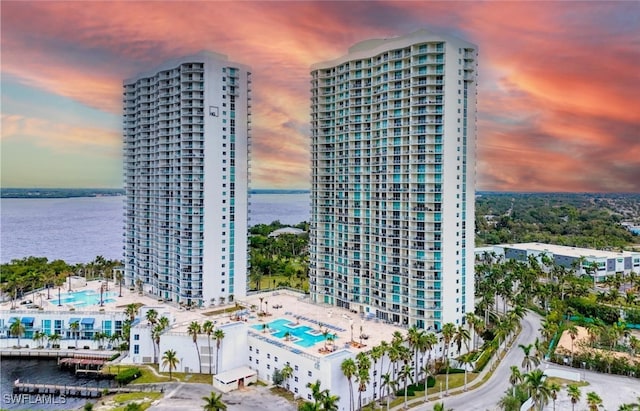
[[234, 379]]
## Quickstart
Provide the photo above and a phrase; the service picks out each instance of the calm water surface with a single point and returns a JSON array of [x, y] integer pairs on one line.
[[77, 230], [40, 371]]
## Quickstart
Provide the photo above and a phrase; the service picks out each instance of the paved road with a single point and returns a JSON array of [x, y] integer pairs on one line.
[[487, 396], [614, 390]]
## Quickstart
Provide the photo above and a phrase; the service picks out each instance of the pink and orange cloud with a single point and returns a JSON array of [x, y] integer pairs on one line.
[[558, 108]]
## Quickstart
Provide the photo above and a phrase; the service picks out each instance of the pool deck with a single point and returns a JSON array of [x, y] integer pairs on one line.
[[298, 309], [287, 304]]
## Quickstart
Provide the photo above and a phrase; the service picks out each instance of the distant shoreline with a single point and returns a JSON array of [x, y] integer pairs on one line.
[[101, 192]]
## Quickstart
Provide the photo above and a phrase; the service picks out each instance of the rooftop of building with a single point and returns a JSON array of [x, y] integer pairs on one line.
[[255, 310], [286, 230], [567, 250]]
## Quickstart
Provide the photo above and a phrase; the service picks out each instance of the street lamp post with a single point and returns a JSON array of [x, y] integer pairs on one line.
[[48, 291], [59, 298]]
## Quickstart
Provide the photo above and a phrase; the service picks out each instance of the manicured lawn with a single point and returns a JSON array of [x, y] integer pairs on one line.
[[273, 281], [562, 381], [145, 399], [148, 376], [455, 380]]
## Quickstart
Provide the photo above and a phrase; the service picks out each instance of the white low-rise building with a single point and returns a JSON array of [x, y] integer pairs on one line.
[[292, 332], [583, 260], [90, 323]]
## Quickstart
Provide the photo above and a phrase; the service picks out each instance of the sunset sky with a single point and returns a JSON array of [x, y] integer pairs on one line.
[[558, 88]]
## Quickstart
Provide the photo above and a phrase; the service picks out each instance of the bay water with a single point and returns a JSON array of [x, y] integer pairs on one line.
[[77, 230]]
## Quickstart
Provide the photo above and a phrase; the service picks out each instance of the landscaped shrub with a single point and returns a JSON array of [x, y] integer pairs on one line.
[[452, 371], [413, 388], [600, 363], [126, 376], [484, 357], [632, 316], [589, 308]]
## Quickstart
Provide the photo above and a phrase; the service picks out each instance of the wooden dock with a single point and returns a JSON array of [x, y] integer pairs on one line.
[[69, 390], [46, 353]]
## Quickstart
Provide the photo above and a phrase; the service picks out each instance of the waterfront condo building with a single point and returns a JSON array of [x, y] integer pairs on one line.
[[393, 126], [186, 139]]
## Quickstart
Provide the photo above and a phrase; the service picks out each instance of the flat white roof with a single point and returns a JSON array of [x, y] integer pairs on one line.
[[286, 230], [235, 374], [567, 251]]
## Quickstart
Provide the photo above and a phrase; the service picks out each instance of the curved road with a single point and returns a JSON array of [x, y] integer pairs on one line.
[[486, 396], [614, 390]]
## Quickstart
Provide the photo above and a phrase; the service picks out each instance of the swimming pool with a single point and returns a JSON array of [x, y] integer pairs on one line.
[[84, 298], [301, 335]]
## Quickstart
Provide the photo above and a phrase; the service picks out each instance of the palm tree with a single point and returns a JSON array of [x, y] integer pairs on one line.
[[193, 330], [594, 401], [170, 359], [75, 328], [213, 402], [430, 341], [475, 323], [349, 369], [466, 360], [17, 329], [131, 310], [448, 331], [393, 352], [207, 328], [152, 316], [376, 354], [218, 335], [384, 348], [119, 279], [286, 372], [428, 371], [97, 337], [538, 388], [574, 395], [388, 383], [554, 388], [405, 374], [316, 393], [363, 364], [509, 402], [461, 336], [514, 379], [329, 402], [38, 337], [572, 330], [414, 335], [53, 339], [530, 359], [155, 337]]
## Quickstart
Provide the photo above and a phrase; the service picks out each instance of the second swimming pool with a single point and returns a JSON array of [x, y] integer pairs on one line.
[[84, 298], [301, 335]]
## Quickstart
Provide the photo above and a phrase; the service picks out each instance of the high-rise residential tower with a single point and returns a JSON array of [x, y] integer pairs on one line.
[[393, 179], [186, 138]]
